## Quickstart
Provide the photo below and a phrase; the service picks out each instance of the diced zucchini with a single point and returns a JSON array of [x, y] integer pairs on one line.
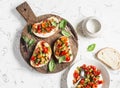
[[37, 61], [31, 42], [43, 55], [54, 23]]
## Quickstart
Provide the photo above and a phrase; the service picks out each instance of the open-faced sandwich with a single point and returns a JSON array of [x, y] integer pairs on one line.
[[41, 54], [62, 49], [46, 27]]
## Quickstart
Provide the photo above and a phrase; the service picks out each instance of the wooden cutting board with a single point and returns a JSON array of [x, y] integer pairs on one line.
[[25, 10]]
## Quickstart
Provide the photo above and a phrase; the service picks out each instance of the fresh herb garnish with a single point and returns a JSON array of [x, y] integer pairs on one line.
[[91, 47], [61, 59], [28, 41], [54, 23], [51, 65], [30, 29], [62, 24], [31, 42], [65, 33], [25, 38]]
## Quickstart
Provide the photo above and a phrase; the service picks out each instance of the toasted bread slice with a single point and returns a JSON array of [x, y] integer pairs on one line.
[[41, 54], [62, 48], [110, 57], [49, 30]]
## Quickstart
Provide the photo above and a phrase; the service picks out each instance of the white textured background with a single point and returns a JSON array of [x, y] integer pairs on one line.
[[15, 73]]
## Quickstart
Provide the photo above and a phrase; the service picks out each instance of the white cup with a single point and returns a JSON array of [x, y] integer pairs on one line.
[[91, 27]]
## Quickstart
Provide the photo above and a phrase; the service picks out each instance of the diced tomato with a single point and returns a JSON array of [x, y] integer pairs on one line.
[[90, 83], [38, 27], [66, 43], [96, 73], [87, 86], [68, 58], [63, 53], [94, 79], [84, 66], [94, 86], [93, 67], [37, 50], [100, 82], [58, 45], [82, 81], [42, 43], [45, 50], [57, 53], [38, 31], [48, 29], [32, 58], [87, 72], [75, 74]]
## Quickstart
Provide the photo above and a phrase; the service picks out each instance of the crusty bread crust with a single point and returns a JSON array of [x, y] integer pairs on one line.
[[50, 53], [110, 57]]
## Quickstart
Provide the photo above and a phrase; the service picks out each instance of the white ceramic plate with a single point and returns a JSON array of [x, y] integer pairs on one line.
[[104, 72]]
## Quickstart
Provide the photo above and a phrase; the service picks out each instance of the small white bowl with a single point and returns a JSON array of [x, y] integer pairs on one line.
[[91, 27]]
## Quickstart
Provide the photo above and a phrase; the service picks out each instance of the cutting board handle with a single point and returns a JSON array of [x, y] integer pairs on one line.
[[25, 10]]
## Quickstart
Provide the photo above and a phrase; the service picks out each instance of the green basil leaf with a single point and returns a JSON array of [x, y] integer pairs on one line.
[[25, 38], [61, 59], [54, 23], [51, 65], [30, 29], [62, 24], [31, 42], [28, 41], [91, 47], [66, 33]]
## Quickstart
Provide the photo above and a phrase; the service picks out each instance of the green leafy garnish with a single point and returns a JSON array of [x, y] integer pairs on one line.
[[31, 42], [28, 41], [65, 33], [91, 47], [61, 59], [62, 24], [51, 65], [29, 29], [54, 23]]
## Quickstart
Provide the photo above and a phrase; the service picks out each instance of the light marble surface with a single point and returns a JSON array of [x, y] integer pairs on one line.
[[15, 73]]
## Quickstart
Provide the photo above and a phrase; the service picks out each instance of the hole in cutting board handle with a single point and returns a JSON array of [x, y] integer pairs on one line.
[[25, 10]]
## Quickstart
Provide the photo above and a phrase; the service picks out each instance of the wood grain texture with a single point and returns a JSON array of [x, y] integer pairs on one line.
[[26, 52], [25, 10], [51, 40]]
